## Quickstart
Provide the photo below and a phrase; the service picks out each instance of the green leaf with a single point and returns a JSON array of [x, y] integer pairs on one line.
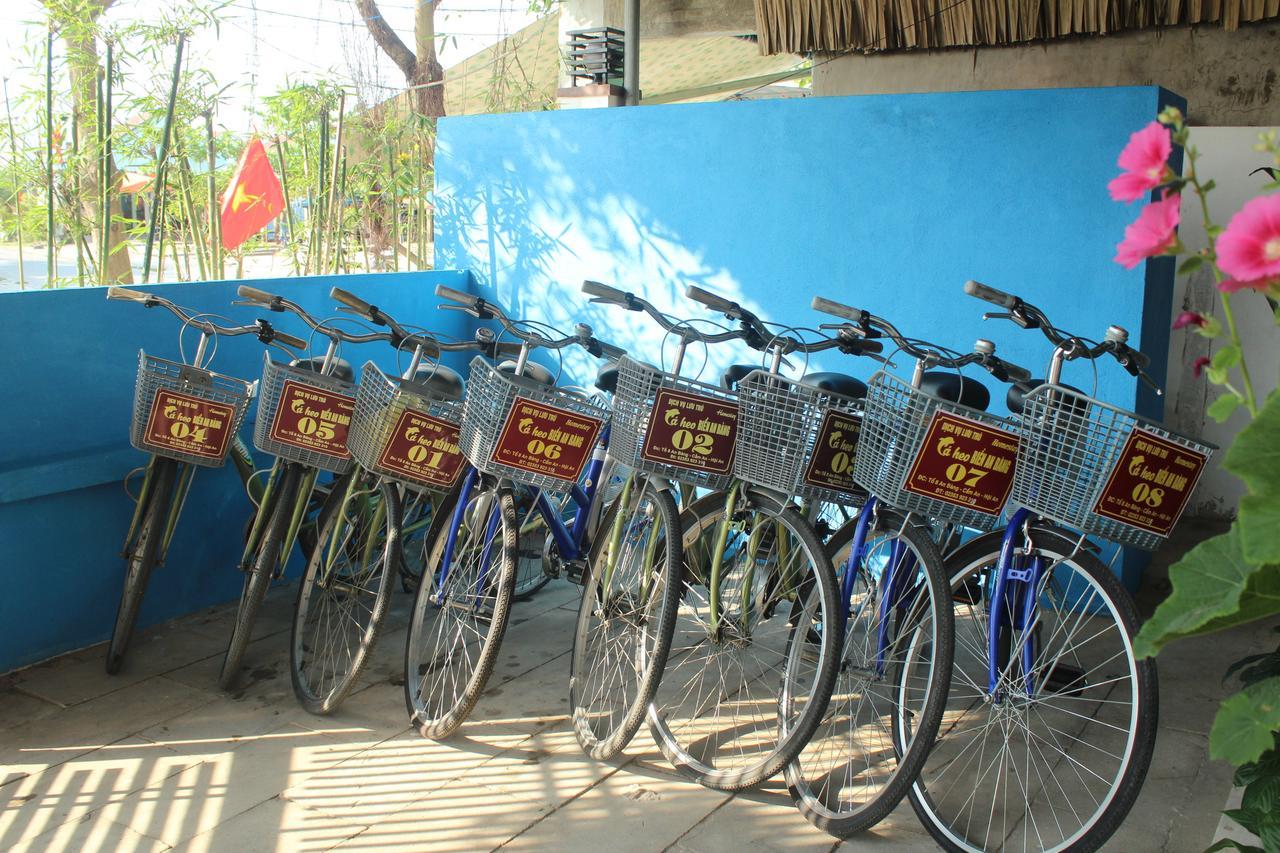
[[1191, 264], [1230, 844], [1211, 329], [1254, 457], [1221, 408], [1213, 588], [1208, 186], [1227, 357], [1217, 375], [1242, 729]]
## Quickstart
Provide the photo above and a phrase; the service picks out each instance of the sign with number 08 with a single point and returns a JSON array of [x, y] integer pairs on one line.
[[1150, 482]]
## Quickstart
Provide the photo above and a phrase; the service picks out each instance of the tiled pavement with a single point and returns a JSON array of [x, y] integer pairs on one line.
[[157, 758]]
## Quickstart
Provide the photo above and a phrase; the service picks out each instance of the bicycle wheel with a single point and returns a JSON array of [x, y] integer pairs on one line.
[[850, 775], [265, 559], [530, 574], [1056, 767], [142, 555], [716, 715], [626, 618], [461, 609], [344, 593]]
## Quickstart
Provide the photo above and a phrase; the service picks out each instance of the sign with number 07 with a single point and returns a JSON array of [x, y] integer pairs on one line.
[[965, 463]]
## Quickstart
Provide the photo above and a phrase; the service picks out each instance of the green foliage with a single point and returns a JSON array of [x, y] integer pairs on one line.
[[1254, 457], [1246, 722]]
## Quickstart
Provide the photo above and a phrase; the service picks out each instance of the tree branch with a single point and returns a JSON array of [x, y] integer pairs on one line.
[[386, 37]]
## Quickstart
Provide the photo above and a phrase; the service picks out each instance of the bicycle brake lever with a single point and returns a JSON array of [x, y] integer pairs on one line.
[[446, 306], [1151, 383], [997, 315]]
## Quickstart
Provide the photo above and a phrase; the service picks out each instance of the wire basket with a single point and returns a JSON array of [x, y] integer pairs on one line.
[[304, 417], [652, 445], [186, 413], [519, 429], [404, 433], [1103, 470], [900, 461], [797, 439]]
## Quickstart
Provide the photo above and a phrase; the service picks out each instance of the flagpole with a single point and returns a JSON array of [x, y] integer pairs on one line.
[[162, 164]]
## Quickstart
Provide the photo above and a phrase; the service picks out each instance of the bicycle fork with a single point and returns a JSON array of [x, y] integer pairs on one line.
[[1014, 598]]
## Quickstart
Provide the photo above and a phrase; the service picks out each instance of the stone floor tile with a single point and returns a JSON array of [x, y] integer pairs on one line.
[[274, 825], [450, 821], [91, 835], [755, 822]]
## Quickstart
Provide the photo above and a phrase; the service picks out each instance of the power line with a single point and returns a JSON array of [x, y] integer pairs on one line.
[[360, 24]]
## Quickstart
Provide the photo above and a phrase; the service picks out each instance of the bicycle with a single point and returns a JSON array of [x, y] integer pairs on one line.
[[517, 427], [303, 419], [1046, 694], [896, 614], [754, 568], [186, 417]]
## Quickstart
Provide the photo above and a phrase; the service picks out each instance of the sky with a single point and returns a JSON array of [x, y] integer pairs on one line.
[[261, 43]]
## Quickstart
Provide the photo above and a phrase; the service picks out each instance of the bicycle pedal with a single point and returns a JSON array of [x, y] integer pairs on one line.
[[969, 592], [1065, 680], [576, 571]]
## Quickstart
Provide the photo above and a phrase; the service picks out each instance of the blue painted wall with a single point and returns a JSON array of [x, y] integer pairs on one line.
[[888, 203], [70, 358]]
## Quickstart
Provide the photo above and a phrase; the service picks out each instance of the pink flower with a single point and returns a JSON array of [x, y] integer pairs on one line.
[[1151, 234], [1189, 318], [1144, 163], [1231, 285], [1249, 249], [1198, 366]]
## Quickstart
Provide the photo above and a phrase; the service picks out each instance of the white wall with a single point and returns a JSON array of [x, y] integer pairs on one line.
[[1227, 156]]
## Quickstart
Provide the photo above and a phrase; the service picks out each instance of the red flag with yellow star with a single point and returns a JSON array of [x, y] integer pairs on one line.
[[253, 198]]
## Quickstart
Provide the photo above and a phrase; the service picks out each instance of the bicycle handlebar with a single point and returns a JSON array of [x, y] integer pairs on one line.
[[477, 307], [989, 294], [712, 301], [265, 332], [279, 304]]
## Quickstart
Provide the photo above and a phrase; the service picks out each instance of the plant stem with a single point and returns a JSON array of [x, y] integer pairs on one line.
[[76, 220], [17, 193], [105, 251], [288, 204], [48, 155], [216, 271], [163, 160]]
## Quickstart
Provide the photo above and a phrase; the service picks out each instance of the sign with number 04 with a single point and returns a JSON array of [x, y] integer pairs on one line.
[[189, 425]]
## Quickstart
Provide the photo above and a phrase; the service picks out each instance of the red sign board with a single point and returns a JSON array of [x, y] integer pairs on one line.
[[831, 463], [424, 449], [543, 439], [190, 425], [965, 463], [1150, 483], [313, 419], [691, 431]]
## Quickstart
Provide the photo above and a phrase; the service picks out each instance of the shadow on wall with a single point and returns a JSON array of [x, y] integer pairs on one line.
[[886, 202]]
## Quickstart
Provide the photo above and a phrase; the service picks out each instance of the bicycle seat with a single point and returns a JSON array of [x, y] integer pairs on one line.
[[532, 370], [1016, 397], [836, 383], [341, 367], [607, 377], [441, 382], [734, 374], [956, 388]]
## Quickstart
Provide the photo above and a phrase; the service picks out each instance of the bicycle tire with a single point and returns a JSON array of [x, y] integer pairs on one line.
[[653, 619], [144, 554], [849, 776], [1060, 547], [438, 716], [320, 690], [258, 578], [676, 723]]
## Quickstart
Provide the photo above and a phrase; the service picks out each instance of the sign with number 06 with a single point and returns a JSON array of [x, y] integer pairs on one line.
[[546, 440]]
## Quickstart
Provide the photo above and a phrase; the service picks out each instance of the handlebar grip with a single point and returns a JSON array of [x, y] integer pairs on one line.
[[709, 299], [866, 345], [1016, 373], [611, 352], [836, 309], [288, 340], [508, 348], [979, 290], [253, 294], [351, 301], [126, 293], [603, 291], [464, 299]]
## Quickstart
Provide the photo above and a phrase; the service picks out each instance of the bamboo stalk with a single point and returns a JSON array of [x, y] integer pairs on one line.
[[340, 215], [395, 208], [97, 102], [422, 207], [335, 200], [48, 153], [216, 269], [186, 183], [17, 192], [321, 211], [76, 185], [162, 164], [105, 252], [288, 204]]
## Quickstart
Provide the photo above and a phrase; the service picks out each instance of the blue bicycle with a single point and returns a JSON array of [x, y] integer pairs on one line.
[[520, 430]]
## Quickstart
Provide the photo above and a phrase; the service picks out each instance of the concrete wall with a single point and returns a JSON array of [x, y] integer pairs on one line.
[[1228, 78], [69, 360]]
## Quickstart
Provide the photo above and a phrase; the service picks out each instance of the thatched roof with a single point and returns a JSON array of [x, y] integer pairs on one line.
[[801, 26]]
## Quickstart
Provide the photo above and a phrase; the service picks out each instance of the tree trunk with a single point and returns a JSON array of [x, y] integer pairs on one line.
[[419, 66], [82, 61]]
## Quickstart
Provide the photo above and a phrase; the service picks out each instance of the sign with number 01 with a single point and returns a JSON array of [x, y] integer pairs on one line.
[[423, 449], [546, 440], [1150, 483], [313, 419], [189, 425], [965, 463], [691, 431]]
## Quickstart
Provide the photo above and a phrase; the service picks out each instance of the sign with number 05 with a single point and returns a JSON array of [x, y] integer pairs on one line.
[[1150, 483], [546, 440], [189, 425], [965, 463], [313, 418], [831, 463]]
